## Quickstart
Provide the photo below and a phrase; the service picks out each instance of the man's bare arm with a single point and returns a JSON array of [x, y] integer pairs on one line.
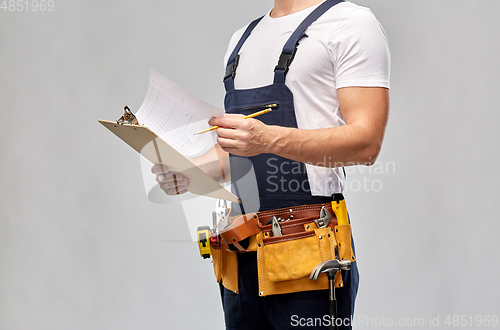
[[365, 111], [215, 162]]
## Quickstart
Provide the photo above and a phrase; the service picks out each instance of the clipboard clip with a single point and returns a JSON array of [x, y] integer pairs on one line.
[[127, 118]]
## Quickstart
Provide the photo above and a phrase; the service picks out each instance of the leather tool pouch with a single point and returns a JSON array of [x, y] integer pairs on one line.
[[294, 256], [226, 268], [236, 237], [285, 262]]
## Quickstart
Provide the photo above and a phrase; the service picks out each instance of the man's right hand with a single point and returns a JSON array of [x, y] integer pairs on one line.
[[170, 183]]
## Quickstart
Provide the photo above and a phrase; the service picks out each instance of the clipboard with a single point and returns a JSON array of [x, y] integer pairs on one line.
[[157, 151]]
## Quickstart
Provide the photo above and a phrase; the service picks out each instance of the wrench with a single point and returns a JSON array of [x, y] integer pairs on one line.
[[324, 218]]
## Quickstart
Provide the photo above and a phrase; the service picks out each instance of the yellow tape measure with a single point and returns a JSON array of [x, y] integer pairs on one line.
[[203, 234]]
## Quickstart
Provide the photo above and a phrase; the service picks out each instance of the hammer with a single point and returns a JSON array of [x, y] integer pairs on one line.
[[331, 267]]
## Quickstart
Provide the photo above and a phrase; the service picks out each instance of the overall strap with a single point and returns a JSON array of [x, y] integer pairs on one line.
[[290, 47], [232, 62]]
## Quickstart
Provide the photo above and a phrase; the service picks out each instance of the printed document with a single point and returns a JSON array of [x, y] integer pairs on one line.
[[175, 115]]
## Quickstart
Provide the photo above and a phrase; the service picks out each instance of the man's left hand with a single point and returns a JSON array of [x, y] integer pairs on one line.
[[242, 137]]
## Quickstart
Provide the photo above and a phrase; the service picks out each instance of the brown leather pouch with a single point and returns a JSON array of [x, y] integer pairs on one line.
[[343, 236], [217, 262], [285, 262], [292, 257], [241, 228], [226, 268]]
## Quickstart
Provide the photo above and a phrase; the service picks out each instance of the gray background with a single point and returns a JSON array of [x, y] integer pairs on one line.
[[81, 247]]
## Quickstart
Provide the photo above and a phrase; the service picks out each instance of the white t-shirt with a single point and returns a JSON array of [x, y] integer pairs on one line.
[[345, 47]]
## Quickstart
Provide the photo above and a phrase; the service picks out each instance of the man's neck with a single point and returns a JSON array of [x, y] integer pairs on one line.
[[287, 7]]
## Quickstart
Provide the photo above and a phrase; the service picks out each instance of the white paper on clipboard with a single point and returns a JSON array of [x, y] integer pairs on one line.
[[175, 115]]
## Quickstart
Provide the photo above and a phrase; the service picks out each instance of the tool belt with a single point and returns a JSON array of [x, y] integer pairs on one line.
[[284, 260]]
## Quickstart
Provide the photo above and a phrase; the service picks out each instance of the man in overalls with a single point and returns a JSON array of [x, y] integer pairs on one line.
[[324, 66]]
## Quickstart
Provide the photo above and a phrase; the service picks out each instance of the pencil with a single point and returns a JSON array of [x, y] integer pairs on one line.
[[246, 117]]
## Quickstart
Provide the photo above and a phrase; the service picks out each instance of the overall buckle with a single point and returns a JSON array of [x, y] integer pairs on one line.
[[285, 61], [231, 68]]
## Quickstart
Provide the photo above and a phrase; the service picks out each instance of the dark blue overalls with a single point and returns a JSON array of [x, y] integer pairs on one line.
[[247, 310]]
